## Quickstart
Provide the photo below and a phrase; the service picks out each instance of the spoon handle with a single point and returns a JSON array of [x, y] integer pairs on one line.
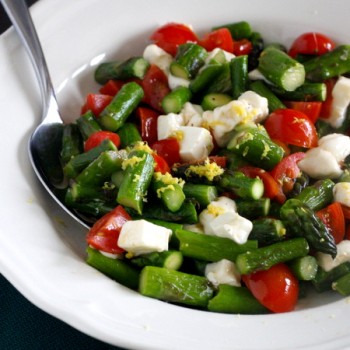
[[18, 12]]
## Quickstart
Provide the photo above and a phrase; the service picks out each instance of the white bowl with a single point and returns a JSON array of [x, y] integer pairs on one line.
[[42, 250]]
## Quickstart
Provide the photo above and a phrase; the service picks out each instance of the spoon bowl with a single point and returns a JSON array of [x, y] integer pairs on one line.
[[45, 142]]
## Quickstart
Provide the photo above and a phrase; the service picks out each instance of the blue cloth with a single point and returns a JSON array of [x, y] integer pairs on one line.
[[23, 326]]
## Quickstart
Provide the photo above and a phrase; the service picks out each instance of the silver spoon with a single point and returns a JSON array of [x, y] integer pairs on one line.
[[45, 142]]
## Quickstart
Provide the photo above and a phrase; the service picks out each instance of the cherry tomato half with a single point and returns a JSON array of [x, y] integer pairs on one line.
[[155, 87], [242, 47], [104, 234], [169, 149], [148, 120], [292, 127], [96, 103], [220, 38], [287, 170], [333, 217], [161, 165], [311, 43], [97, 137], [171, 35], [276, 288], [312, 108]]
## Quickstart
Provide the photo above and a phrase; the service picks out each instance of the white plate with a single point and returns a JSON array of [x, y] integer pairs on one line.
[[42, 251]]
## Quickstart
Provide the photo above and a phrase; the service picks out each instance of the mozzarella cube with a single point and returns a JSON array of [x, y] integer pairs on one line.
[[258, 105], [157, 56], [341, 193], [320, 164], [168, 124], [195, 143], [341, 100], [192, 114], [232, 226], [337, 144], [343, 255], [223, 272], [228, 55], [141, 237]]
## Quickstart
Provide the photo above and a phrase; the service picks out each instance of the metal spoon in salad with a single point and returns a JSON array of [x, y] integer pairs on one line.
[[45, 142]]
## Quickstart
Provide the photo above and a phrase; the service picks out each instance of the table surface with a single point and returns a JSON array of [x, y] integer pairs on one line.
[[23, 326]]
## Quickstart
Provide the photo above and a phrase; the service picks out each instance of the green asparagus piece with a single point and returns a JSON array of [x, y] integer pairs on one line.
[[189, 59], [238, 30], [324, 279], [117, 269], [88, 124], [81, 161], [235, 300], [328, 65], [239, 75], [222, 82], [301, 221], [253, 144], [317, 195], [122, 105], [169, 259], [134, 67], [253, 208], [267, 231], [304, 268], [305, 92], [342, 285], [175, 100], [72, 143], [265, 257], [204, 77], [215, 99], [211, 248], [241, 185], [281, 69], [263, 90], [129, 134], [203, 194], [137, 178], [174, 286]]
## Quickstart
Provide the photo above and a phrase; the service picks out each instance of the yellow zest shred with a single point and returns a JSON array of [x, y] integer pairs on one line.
[[132, 161], [208, 170]]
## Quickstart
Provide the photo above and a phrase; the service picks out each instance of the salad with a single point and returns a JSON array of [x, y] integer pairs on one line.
[[214, 170]]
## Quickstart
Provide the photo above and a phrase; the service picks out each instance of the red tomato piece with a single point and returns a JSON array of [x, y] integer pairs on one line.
[[287, 170], [346, 211], [242, 47], [311, 43], [155, 86], [171, 35], [169, 149], [220, 38], [292, 127], [347, 232], [148, 120], [112, 87], [327, 105], [276, 288], [104, 234], [161, 164], [96, 103], [272, 188], [221, 161], [97, 137], [312, 109], [333, 217]]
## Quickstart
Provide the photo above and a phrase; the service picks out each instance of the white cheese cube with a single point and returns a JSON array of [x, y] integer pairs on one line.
[[195, 143], [232, 226], [168, 124], [341, 100], [228, 55], [192, 114], [141, 237], [258, 105], [343, 255], [320, 164], [337, 144], [223, 272], [341, 193], [157, 56]]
